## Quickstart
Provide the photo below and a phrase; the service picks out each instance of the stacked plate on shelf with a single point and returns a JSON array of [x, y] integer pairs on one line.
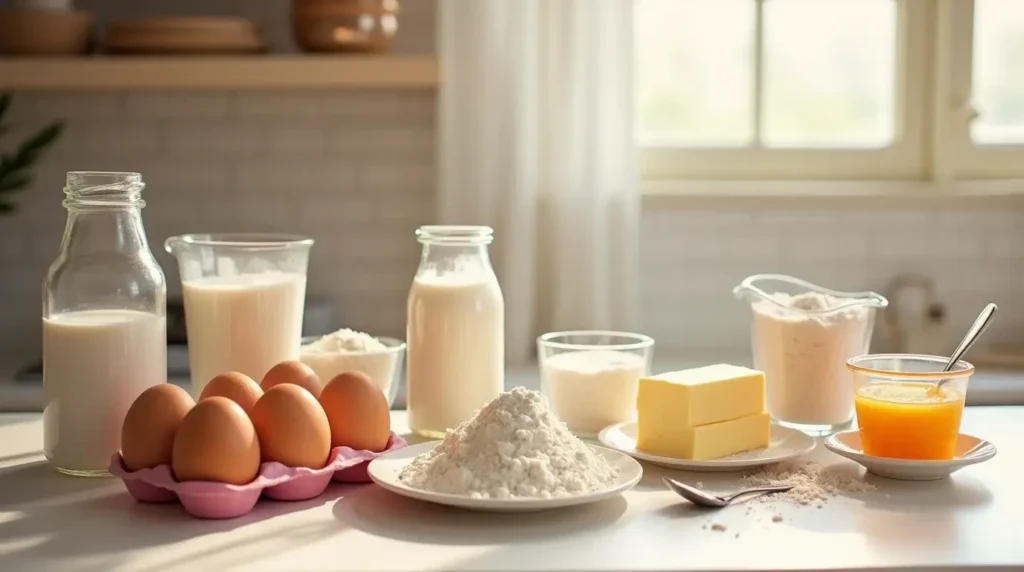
[[184, 35]]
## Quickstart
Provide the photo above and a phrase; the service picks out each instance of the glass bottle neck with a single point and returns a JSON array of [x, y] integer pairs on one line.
[[455, 258], [98, 231], [104, 213]]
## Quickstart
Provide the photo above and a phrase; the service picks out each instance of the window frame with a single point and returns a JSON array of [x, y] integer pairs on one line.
[[932, 123], [968, 160]]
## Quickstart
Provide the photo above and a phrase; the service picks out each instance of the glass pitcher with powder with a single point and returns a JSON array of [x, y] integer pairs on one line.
[[802, 335]]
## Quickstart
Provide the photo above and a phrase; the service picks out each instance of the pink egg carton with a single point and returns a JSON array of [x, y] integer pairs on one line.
[[207, 499]]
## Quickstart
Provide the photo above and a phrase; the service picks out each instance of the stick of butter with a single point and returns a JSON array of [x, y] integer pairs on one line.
[[702, 413]]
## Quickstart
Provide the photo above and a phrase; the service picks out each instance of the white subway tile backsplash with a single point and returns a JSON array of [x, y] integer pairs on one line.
[[281, 105], [303, 139], [203, 139], [121, 146], [177, 105], [70, 106]]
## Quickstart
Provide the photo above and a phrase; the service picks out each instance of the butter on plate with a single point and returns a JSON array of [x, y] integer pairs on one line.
[[702, 413]]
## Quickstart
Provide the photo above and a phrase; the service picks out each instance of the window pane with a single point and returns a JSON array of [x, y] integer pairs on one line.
[[694, 70], [829, 73], [998, 71]]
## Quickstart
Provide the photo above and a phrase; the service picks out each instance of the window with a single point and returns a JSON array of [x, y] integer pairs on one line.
[[987, 88], [830, 89]]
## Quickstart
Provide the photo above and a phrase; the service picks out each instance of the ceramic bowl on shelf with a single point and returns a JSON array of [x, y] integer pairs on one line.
[[367, 26], [969, 451], [37, 32]]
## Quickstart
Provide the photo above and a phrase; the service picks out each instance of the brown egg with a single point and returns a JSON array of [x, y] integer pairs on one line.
[[294, 372], [147, 433], [292, 427], [357, 411], [216, 441], [237, 387]]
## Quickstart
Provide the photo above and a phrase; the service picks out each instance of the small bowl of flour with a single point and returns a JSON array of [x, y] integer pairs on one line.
[[347, 350], [591, 377]]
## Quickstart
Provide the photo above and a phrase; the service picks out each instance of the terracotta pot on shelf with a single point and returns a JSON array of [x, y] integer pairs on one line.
[[34, 32], [366, 26]]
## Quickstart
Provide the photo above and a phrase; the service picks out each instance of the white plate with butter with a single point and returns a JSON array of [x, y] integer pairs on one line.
[[785, 444], [384, 471]]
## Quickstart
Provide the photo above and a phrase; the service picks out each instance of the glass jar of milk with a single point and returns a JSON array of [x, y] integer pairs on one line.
[[104, 325], [455, 329]]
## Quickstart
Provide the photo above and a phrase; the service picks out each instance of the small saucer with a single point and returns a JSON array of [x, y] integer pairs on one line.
[[969, 451]]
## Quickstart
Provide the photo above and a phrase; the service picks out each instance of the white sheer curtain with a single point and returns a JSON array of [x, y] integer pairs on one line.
[[536, 140]]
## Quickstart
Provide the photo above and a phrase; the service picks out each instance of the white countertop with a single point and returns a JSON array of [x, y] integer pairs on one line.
[[972, 521]]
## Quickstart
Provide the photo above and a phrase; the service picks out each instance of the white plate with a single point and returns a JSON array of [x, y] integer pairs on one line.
[[969, 450], [384, 471], [785, 444]]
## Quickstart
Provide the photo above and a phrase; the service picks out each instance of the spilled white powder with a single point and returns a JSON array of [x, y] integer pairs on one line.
[[513, 447], [814, 483]]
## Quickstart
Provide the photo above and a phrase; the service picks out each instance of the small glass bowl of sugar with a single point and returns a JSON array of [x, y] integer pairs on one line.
[[380, 358], [590, 377]]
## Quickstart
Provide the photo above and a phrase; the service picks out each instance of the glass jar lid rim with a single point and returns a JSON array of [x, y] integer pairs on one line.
[[455, 234], [126, 176], [865, 364], [455, 230], [244, 240]]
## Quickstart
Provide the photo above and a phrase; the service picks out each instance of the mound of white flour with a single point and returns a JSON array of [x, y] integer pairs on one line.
[[512, 447]]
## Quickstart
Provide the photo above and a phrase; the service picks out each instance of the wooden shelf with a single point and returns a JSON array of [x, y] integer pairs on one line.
[[220, 73]]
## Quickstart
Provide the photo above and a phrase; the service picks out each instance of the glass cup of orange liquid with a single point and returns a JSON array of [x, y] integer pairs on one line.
[[902, 412]]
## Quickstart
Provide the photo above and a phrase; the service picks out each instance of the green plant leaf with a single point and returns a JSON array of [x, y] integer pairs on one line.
[[34, 146], [15, 168], [15, 182]]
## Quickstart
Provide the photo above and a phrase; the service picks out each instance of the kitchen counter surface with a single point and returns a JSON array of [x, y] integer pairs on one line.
[[972, 521]]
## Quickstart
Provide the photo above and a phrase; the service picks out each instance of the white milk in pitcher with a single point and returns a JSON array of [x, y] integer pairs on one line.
[[246, 323], [98, 361]]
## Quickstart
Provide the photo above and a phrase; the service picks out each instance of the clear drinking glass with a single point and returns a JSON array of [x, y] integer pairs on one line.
[[244, 296], [802, 335], [591, 378], [455, 329], [902, 413], [104, 324]]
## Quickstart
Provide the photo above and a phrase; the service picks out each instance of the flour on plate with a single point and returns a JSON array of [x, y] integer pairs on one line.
[[513, 447]]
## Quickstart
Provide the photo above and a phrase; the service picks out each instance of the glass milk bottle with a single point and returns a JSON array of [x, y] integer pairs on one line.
[[104, 325], [456, 329]]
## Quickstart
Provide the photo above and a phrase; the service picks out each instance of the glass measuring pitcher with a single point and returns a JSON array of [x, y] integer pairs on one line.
[[802, 335], [244, 296]]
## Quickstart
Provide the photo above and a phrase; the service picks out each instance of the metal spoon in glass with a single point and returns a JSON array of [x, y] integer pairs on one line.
[[697, 496], [980, 324]]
